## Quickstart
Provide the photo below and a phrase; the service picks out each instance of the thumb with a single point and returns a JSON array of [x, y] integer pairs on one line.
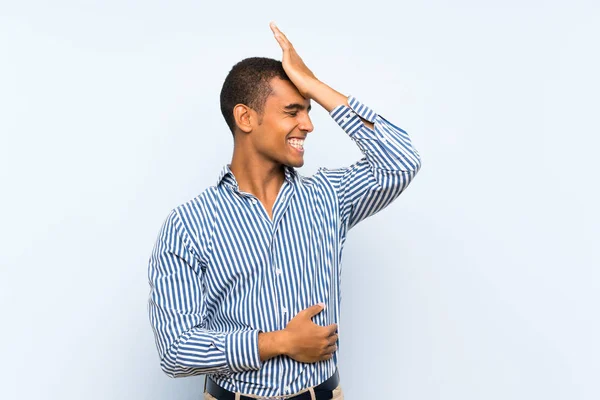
[[314, 310]]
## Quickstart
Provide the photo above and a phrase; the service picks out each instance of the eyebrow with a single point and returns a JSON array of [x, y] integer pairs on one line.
[[297, 106]]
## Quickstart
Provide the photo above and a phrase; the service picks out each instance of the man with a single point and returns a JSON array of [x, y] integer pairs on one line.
[[245, 277]]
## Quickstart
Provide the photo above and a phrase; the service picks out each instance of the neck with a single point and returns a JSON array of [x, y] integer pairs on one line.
[[256, 175]]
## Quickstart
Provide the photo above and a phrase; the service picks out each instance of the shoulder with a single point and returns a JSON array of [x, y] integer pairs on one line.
[[322, 179], [319, 184], [194, 211], [195, 219]]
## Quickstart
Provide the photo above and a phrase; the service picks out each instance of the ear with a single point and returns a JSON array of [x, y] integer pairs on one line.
[[244, 117]]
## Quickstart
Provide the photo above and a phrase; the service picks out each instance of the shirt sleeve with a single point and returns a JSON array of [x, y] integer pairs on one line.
[[389, 163], [178, 313]]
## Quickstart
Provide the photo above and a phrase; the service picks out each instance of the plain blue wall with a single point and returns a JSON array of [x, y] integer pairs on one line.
[[479, 282]]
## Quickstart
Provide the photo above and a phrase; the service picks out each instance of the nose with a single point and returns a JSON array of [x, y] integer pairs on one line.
[[306, 124]]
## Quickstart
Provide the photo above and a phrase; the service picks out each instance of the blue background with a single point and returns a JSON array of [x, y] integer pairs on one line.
[[480, 282]]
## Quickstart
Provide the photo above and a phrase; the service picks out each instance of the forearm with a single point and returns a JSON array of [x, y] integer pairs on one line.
[[194, 356], [202, 351], [386, 147], [329, 98], [389, 163]]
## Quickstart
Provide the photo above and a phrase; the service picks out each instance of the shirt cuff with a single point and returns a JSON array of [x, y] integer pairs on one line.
[[349, 118], [241, 349]]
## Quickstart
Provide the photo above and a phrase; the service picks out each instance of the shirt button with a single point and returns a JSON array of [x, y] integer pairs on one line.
[[284, 310], [279, 271], [253, 201], [287, 389]]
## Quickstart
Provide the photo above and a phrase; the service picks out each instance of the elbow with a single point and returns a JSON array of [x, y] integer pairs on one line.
[[418, 165], [169, 368], [411, 165], [414, 164], [179, 371], [178, 367], [407, 165]]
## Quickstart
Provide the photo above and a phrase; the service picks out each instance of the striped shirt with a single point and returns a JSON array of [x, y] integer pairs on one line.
[[222, 270]]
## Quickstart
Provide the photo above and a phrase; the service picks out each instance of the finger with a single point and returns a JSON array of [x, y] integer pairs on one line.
[[331, 349], [332, 339], [280, 36], [276, 31], [273, 27], [331, 329], [314, 310], [281, 42]]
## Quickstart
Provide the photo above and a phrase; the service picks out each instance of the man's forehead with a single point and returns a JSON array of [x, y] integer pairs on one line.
[[284, 93]]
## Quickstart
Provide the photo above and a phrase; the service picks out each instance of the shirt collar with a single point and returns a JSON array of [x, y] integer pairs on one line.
[[227, 177]]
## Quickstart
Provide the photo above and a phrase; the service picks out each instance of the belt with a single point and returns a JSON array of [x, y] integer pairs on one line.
[[322, 392]]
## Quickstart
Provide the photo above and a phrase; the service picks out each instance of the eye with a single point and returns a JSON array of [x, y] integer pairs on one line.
[[292, 113]]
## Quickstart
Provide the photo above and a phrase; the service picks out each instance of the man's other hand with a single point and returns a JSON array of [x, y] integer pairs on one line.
[[301, 339], [308, 342]]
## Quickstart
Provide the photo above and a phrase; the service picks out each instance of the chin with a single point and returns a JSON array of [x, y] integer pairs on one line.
[[296, 164]]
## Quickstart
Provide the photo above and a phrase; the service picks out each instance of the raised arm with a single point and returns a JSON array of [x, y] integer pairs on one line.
[[304, 79], [390, 160], [389, 164]]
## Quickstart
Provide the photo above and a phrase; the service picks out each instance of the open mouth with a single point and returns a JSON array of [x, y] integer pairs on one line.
[[297, 144]]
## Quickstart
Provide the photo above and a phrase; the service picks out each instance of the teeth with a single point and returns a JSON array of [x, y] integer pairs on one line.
[[297, 143]]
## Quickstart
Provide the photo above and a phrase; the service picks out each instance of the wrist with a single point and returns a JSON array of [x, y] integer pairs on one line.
[[272, 344], [326, 96], [313, 87], [283, 342]]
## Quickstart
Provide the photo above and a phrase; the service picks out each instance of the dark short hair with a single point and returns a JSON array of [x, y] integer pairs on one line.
[[248, 83]]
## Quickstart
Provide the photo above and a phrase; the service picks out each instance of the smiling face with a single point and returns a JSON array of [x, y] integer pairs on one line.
[[279, 136]]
